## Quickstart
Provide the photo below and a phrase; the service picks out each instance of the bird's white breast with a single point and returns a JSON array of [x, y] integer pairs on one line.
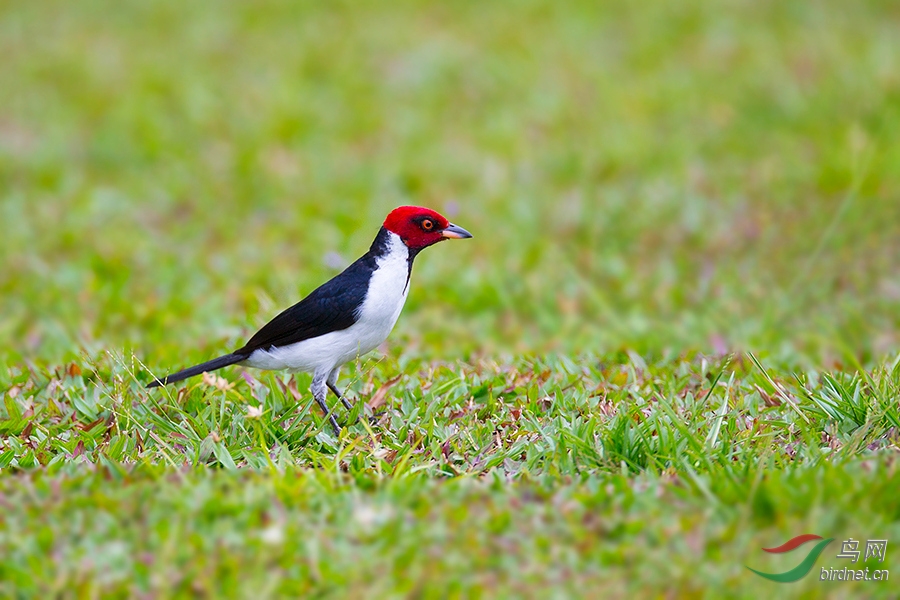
[[387, 293], [377, 314]]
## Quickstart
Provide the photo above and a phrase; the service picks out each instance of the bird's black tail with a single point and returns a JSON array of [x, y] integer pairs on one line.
[[212, 365]]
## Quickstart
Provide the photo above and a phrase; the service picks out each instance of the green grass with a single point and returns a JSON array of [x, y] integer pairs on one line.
[[315, 532], [674, 339]]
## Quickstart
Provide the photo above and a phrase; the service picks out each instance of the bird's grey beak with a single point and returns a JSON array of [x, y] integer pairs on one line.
[[455, 232]]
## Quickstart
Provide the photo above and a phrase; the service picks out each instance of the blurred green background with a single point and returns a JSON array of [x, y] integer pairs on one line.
[[657, 176]]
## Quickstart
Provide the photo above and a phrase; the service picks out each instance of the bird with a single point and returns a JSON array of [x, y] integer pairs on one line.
[[345, 317]]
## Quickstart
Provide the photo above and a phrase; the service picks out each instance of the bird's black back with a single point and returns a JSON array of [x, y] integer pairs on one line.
[[332, 306]]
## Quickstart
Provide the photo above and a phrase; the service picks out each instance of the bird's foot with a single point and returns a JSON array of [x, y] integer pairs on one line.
[[375, 417], [335, 427], [329, 415]]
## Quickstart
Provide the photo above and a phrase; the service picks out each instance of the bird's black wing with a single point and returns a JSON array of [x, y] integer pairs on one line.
[[330, 307]]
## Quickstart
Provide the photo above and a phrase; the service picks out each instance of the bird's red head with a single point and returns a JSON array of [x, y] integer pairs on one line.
[[421, 227]]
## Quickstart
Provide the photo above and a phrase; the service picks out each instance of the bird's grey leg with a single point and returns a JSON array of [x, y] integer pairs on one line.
[[332, 385], [319, 392]]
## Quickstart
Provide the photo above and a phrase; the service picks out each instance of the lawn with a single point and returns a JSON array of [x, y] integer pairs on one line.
[[673, 341]]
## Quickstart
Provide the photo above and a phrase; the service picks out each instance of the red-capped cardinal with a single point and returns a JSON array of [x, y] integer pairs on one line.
[[343, 318]]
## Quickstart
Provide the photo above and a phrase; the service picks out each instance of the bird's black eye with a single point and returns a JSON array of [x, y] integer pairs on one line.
[[427, 224]]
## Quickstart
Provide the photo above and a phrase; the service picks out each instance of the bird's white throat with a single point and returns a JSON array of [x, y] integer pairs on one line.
[[388, 287]]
